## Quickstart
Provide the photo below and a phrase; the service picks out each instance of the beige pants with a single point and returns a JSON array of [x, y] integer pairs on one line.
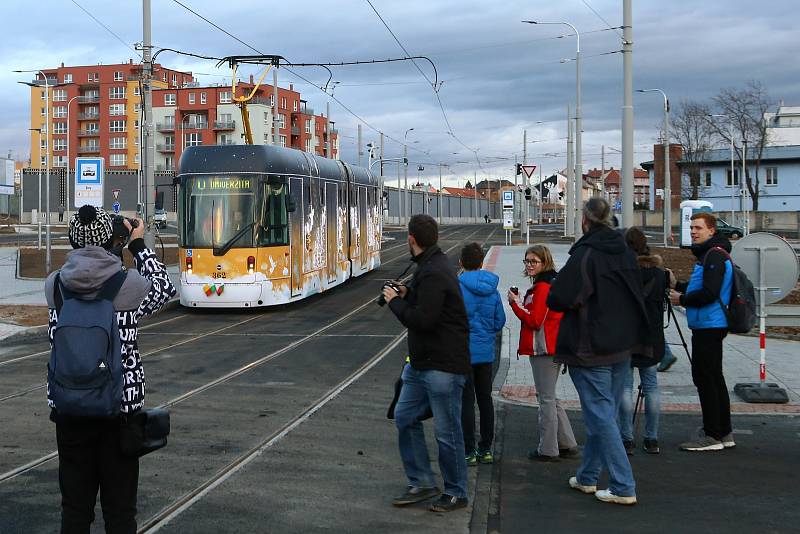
[[555, 432]]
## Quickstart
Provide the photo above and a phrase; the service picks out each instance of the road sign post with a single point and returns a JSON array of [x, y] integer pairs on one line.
[[528, 170]]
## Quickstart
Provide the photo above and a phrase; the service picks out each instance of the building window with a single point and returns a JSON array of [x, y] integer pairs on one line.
[[224, 97], [136, 158], [59, 161], [202, 98], [93, 127], [136, 124], [308, 125], [308, 145], [59, 144], [117, 75], [44, 111], [59, 127], [118, 160], [772, 175], [266, 118], [192, 139], [735, 178], [191, 98], [137, 107], [164, 77], [283, 140], [706, 179], [116, 109], [271, 100], [169, 99], [116, 126], [281, 120], [136, 91], [116, 92], [174, 79], [225, 139], [68, 78], [118, 143], [266, 138], [59, 95], [169, 164], [294, 105], [43, 161], [225, 117], [59, 111], [283, 102]]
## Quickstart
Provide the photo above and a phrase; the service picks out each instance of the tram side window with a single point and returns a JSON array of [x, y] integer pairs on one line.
[[274, 228]]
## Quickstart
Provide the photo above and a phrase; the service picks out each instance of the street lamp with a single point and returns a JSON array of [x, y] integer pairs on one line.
[[667, 179], [404, 196], [39, 206], [730, 134], [68, 133], [578, 123], [47, 86]]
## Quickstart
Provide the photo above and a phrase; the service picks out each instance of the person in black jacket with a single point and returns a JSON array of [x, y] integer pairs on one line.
[[599, 290], [646, 360], [432, 309]]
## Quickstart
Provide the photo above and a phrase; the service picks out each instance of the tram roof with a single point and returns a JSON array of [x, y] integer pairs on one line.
[[267, 159]]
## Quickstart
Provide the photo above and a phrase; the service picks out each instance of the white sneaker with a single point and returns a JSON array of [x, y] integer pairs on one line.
[[727, 441], [607, 496], [574, 484]]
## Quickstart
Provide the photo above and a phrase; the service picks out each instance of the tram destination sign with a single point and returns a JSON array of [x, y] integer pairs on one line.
[[217, 183]]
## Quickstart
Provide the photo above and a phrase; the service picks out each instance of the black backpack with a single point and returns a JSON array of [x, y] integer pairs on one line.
[[741, 311], [84, 375]]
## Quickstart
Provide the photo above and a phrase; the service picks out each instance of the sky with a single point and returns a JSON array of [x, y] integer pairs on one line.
[[498, 76]]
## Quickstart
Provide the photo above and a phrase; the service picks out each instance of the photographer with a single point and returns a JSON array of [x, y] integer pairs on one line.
[[89, 447], [432, 309]]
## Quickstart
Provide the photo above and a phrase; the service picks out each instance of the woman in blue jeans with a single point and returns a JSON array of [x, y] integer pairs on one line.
[[654, 283]]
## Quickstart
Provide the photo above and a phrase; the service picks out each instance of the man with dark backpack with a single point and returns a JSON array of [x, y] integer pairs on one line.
[[706, 297], [95, 377]]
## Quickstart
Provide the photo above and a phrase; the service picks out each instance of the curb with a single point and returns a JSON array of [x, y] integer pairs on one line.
[[41, 330]]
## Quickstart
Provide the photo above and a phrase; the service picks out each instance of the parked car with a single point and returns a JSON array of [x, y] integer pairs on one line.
[[160, 218], [726, 230]]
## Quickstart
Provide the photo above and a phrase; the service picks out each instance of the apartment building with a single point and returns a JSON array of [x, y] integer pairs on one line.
[[95, 112]]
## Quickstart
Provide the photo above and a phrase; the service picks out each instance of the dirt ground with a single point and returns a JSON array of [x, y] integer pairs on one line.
[[32, 261]]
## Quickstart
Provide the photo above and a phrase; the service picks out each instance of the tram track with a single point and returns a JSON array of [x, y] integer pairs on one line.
[[30, 466]]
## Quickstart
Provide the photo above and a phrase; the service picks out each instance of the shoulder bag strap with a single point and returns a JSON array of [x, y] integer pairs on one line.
[[112, 286]]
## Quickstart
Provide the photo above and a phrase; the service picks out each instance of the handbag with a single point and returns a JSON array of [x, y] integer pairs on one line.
[[144, 431]]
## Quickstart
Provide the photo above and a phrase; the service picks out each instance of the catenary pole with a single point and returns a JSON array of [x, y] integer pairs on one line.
[[275, 123], [148, 126], [569, 228], [526, 185], [627, 113], [576, 219]]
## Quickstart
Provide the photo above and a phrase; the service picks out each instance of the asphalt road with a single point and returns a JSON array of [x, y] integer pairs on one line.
[[335, 470]]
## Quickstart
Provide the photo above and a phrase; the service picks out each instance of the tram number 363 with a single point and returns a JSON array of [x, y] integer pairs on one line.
[[218, 275]]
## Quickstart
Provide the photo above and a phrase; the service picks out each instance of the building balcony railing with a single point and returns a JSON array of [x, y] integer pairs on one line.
[[295, 130], [194, 126], [163, 167], [168, 127], [259, 100], [165, 148], [88, 133], [88, 116], [88, 99], [226, 142], [224, 125], [304, 111], [89, 149]]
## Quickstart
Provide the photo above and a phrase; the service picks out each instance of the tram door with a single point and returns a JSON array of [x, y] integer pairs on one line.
[[363, 233], [332, 223], [297, 237]]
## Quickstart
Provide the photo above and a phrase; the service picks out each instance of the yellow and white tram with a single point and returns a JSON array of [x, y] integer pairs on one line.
[[260, 225]]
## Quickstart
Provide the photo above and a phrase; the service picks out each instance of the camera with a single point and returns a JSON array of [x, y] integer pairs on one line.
[[381, 300], [119, 228], [514, 289]]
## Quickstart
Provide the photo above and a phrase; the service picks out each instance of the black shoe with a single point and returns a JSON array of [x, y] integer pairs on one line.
[[448, 503], [651, 446], [414, 494], [630, 446], [534, 455], [569, 454]]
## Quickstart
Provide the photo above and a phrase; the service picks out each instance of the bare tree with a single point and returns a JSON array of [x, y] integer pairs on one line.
[[691, 128], [745, 109]]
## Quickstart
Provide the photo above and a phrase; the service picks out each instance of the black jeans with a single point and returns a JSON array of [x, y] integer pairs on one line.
[[707, 376], [479, 384], [89, 459]]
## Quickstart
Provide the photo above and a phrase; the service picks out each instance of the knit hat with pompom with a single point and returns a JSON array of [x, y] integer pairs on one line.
[[90, 226]]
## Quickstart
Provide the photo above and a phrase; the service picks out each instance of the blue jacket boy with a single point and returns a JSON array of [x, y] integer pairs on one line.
[[484, 311]]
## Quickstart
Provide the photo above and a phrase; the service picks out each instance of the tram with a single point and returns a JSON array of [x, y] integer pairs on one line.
[[261, 225]]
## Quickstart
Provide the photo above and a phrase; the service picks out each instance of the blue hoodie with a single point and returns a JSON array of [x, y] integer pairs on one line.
[[484, 311]]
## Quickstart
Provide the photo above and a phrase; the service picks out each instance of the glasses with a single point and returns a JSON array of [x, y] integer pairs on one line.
[[532, 262]]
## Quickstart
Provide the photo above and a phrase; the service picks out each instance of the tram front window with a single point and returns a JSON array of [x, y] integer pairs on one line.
[[218, 212], [274, 227]]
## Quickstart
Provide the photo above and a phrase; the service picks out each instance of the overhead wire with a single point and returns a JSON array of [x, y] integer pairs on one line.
[[109, 30], [593, 10]]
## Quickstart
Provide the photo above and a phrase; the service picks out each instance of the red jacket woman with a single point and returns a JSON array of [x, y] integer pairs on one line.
[[539, 330]]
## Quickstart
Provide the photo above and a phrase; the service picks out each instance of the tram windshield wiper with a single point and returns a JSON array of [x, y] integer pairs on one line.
[[221, 251]]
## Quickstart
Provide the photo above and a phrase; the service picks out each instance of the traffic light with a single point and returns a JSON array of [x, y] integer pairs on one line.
[[527, 193], [519, 169]]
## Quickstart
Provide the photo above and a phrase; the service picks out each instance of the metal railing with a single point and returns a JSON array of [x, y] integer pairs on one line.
[[89, 149], [88, 116], [295, 130], [88, 99], [224, 125], [88, 133], [165, 147], [194, 126], [168, 127]]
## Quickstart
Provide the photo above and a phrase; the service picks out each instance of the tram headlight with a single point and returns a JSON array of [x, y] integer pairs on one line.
[[251, 264], [188, 265]]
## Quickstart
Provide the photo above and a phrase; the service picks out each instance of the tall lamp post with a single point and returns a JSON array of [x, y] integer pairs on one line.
[[47, 86], [730, 134], [576, 220], [404, 196], [667, 179], [66, 208]]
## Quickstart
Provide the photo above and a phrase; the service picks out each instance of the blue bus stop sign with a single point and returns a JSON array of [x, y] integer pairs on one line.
[[618, 205]]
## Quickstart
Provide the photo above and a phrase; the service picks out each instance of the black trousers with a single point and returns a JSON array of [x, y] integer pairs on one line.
[[710, 382], [89, 458], [478, 385]]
